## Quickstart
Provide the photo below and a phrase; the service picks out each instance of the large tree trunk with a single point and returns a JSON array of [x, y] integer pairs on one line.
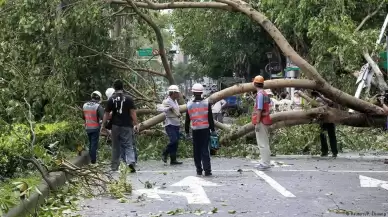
[[236, 89], [315, 115]]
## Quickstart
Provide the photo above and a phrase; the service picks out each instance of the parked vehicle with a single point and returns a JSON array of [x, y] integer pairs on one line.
[[233, 103]]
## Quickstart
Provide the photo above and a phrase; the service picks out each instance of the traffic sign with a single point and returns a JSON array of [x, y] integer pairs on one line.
[[145, 52]]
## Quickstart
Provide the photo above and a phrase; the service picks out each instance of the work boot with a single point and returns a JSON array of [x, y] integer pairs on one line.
[[164, 157], [132, 168], [174, 161]]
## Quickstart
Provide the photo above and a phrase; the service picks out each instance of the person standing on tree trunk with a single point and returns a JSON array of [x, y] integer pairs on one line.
[[200, 118], [93, 113], [123, 121], [172, 124], [261, 119], [329, 127]]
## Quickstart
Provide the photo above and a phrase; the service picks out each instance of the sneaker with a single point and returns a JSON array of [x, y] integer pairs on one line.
[[199, 173], [324, 155], [262, 167], [334, 155], [132, 168]]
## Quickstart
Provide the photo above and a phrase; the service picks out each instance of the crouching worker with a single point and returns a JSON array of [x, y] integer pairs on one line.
[[93, 113], [199, 113]]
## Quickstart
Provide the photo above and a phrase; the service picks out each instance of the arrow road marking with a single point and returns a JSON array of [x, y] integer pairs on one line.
[[273, 184], [195, 184], [150, 193], [368, 182]]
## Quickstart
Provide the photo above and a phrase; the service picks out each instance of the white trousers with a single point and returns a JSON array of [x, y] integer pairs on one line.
[[262, 138]]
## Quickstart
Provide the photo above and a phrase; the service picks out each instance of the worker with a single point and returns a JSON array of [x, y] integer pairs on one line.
[[261, 119], [124, 123], [172, 124], [93, 114], [199, 114]]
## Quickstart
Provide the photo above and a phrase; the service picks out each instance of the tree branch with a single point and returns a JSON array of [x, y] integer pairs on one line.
[[159, 38], [140, 70], [370, 16], [175, 5], [241, 6], [382, 85]]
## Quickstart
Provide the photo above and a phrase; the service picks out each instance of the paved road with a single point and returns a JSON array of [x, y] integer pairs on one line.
[[305, 187]]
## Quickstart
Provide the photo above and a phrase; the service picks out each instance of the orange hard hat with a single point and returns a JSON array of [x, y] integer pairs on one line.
[[258, 79]]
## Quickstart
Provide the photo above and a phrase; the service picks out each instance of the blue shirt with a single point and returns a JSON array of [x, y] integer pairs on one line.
[[260, 101]]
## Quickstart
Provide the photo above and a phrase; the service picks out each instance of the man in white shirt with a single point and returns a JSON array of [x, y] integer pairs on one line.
[[284, 104], [172, 124], [217, 110]]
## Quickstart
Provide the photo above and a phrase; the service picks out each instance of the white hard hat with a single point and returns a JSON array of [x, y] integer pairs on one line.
[[173, 88], [268, 91], [109, 92], [97, 93], [197, 88]]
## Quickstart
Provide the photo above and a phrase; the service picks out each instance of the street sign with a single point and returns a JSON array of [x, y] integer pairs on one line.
[[145, 52]]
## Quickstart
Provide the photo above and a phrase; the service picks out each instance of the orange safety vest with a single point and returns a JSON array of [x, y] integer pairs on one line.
[[90, 113], [199, 114], [265, 113]]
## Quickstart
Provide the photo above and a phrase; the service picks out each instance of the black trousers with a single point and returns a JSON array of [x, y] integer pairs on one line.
[[330, 128], [201, 150]]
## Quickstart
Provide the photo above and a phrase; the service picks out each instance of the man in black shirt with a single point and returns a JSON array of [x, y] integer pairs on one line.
[[123, 121]]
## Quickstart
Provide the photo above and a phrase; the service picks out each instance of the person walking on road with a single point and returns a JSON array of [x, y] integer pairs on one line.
[[200, 118], [172, 124], [124, 119], [261, 119], [93, 113]]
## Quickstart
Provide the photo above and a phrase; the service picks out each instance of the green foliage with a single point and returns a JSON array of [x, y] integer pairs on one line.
[[15, 143], [221, 43], [45, 56], [325, 33], [119, 188], [151, 148], [9, 197]]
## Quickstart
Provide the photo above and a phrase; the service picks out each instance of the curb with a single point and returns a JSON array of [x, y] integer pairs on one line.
[[58, 179], [343, 157]]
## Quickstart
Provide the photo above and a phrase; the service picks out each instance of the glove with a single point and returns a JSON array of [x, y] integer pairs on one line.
[[136, 128]]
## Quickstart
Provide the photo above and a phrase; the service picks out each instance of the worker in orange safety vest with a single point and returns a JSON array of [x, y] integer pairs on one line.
[[199, 113], [93, 114], [262, 120]]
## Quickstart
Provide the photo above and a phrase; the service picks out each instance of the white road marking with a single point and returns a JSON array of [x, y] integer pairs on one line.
[[195, 184], [368, 182], [273, 184], [150, 193], [277, 170], [335, 171]]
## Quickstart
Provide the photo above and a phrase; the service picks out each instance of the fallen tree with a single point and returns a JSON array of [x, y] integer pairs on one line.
[[369, 114], [314, 115]]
